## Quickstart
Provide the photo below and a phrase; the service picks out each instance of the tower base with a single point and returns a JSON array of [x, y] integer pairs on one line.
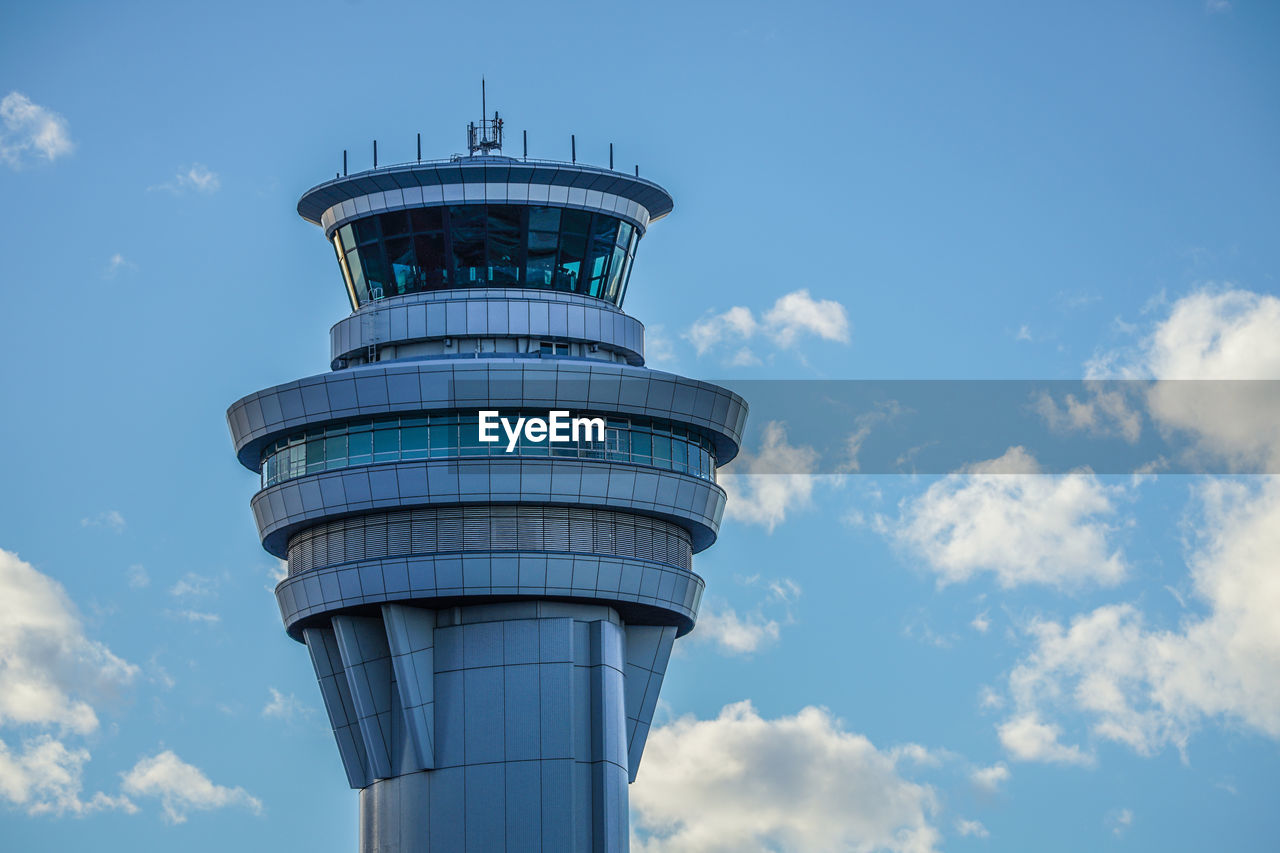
[[499, 727]]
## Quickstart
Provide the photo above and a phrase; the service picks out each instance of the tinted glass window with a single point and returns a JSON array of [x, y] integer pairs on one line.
[[427, 219], [478, 245], [394, 224]]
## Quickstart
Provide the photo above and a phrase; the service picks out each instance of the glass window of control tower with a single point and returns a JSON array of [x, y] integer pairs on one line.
[[435, 248]]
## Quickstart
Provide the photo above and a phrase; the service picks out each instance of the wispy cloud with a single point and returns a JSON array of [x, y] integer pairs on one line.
[[118, 264], [138, 577], [284, 706], [111, 519], [195, 617], [194, 178], [28, 130], [192, 585]]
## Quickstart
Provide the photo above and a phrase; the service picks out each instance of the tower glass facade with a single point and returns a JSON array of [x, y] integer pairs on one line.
[[486, 245]]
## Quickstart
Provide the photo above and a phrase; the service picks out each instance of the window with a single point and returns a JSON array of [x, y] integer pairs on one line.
[[636, 441], [549, 348], [477, 245]]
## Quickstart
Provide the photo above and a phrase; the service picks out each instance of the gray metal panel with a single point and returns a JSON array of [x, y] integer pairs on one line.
[[443, 580], [693, 503]]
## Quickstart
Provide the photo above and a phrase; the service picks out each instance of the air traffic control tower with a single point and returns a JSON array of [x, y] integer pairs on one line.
[[490, 629]]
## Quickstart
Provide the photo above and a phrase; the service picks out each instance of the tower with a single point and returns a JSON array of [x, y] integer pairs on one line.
[[489, 621]]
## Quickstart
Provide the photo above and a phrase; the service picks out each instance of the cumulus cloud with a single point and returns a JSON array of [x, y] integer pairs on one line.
[[1004, 518], [194, 178], [1027, 738], [1219, 335], [1150, 688], [737, 322], [49, 669], [30, 130], [183, 788], [49, 674], [736, 634], [46, 778], [742, 783], [792, 317], [763, 487], [990, 778], [798, 314]]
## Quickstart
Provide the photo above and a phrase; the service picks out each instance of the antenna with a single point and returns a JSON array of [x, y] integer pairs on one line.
[[487, 136]]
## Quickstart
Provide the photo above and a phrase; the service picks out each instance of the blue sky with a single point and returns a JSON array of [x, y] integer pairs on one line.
[[863, 191]]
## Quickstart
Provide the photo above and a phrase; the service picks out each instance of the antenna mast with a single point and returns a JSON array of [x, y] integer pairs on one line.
[[487, 137]]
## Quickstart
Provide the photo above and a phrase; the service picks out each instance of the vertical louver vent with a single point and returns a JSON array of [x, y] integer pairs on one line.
[[455, 529]]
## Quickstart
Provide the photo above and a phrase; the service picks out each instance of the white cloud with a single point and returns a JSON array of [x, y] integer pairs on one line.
[[48, 668], [195, 617], [742, 635], [183, 788], [1023, 527], [46, 778], [745, 784], [1212, 334], [793, 316], [762, 488], [1151, 688], [659, 351], [798, 313], [737, 322], [1103, 412], [49, 672], [196, 177], [974, 828], [735, 634], [29, 128], [981, 623], [1028, 739], [138, 577], [192, 585], [275, 574], [110, 519], [118, 264], [990, 778], [284, 706], [1119, 821]]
